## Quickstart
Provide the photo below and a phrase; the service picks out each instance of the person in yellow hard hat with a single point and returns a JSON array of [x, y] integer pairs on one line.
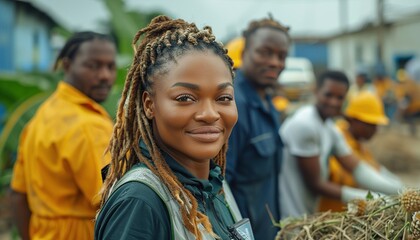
[[362, 116]]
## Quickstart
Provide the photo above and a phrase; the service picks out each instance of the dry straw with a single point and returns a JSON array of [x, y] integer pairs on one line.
[[390, 217]]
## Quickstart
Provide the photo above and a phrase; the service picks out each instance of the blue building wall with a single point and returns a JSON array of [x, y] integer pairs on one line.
[[317, 53], [32, 43], [25, 43], [7, 10]]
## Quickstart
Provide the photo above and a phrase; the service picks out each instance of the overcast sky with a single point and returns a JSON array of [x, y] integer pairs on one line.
[[229, 17]]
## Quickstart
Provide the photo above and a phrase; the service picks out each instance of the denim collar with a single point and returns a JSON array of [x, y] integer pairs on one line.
[[249, 91]]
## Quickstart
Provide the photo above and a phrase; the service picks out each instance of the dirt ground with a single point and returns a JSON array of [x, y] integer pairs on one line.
[[393, 146], [399, 150]]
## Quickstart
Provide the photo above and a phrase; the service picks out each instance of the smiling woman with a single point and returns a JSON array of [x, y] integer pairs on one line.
[[168, 148], [193, 112]]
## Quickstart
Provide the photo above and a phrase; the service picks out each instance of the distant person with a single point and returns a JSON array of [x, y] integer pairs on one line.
[[235, 48], [363, 115], [385, 88], [361, 84], [310, 139], [409, 86], [57, 175], [254, 153], [166, 177]]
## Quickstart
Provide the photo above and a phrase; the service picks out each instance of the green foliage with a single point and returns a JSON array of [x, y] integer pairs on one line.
[[124, 24], [369, 196], [22, 93], [16, 88]]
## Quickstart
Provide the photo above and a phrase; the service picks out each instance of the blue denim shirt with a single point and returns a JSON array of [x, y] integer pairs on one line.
[[254, 158]]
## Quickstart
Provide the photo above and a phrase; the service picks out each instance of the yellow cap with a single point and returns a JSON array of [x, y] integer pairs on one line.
[[368, 108], [235, 48], [280, 103]]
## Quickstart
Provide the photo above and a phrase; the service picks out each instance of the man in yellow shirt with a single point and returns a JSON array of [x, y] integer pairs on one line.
[[57, 175], [362, 116]]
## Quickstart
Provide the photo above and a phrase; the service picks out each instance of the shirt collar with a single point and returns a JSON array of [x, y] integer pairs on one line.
[[249, 91], [73, 95], [198, 187], [344, 126]]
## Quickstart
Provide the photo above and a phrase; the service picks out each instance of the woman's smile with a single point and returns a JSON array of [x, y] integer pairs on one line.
[[206, 134]]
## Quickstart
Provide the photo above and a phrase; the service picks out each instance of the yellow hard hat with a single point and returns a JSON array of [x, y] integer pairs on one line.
[[368, 108], [235, 48], [280, 103]]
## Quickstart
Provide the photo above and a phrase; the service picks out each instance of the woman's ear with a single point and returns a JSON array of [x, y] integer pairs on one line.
[[148, 105], [65, 63]]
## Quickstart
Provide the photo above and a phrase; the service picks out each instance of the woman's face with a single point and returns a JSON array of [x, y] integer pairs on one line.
[[193, 107]]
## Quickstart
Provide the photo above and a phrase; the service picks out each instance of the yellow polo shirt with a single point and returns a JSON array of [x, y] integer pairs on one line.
[[341, 176], [60, 156], [411, 89]]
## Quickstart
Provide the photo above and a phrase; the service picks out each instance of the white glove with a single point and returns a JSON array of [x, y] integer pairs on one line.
[[349, 193], [392, 177], [367, 177]]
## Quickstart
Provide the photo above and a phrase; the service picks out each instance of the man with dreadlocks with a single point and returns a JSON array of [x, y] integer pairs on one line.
[[177, 110], [254, 154], [61, 152]]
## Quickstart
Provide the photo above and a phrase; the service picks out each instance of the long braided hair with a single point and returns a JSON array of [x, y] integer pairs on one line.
[[163, 41]]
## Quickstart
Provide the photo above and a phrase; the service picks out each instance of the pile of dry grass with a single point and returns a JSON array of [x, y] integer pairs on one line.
[[396, 149], [390, 217]]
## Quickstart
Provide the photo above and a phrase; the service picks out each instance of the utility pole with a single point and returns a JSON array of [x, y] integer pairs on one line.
[[344, 25], [380, 30], [343, 15]]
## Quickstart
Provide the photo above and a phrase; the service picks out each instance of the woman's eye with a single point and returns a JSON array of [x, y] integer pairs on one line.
[[225, 98], [185, 98]]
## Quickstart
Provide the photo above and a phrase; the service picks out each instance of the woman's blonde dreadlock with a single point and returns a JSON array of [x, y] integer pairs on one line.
[[163, 41]]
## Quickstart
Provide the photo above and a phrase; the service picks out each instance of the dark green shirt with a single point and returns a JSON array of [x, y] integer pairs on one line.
[[135, 211]]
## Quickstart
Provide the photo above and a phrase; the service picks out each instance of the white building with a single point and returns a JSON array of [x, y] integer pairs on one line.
[[400, 41]]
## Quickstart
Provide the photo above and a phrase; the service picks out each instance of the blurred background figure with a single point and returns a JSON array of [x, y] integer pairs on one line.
[[310, 138], [385, 88], [409, 86], [254, 153], [362, 83], [57, 175], [235, 48], [364, 113]]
